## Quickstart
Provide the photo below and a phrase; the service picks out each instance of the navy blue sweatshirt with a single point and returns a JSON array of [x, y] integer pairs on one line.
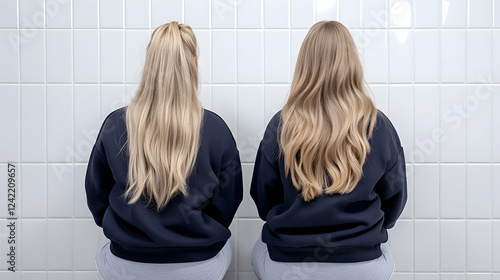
[[330, 228], [190, 228]]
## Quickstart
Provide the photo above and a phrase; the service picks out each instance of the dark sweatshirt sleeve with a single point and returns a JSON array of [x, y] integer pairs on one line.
[[392, 190], [266, 188], [228, 196], [98, 183], [230, 193]]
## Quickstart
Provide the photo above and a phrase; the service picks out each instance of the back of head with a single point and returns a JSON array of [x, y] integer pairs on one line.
[[164, 118], [329, 117]]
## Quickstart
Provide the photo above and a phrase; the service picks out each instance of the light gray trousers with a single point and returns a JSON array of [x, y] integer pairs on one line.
[[111, 267], [267, 269]]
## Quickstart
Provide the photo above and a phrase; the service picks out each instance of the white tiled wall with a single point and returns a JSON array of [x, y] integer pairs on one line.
[[433, 67]]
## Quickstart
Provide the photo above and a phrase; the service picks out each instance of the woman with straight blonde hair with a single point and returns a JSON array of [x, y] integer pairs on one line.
[[329, 178], [164, 176]]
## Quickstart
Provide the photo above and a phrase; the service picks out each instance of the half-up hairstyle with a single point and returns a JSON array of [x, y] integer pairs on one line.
[[164, 118], [329, 117]]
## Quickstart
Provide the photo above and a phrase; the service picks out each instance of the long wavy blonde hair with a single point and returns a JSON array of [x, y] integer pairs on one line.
[[329, 117], [164, 118]]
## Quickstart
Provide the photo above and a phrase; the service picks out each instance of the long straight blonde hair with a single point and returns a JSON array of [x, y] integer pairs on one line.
[[329, 117], [164, 118]]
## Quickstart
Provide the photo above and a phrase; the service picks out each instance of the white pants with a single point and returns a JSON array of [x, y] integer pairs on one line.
[[267, 269], [111, 267]]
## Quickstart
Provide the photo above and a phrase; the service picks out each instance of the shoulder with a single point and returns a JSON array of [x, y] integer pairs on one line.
[[114, 121], [214, 125], [385, 137]]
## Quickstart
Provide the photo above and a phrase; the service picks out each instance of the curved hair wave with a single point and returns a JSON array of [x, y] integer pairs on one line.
[[164, 118], [329, 117]]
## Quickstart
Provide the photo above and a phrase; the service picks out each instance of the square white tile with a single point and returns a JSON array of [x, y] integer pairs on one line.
[[276, 56], [480, 13], [453, 56], [60, 245], [427, 56], [453, 123], [223, 14], [9, 42], [428, 14], [8, 14], [479, 191], [401, 56], [137, 14], [496, 190], [58, 14], [427, 191], [59, 123], [223, 56], [479, 246], [85, 13], [111, 14], [276, 14], [10, 113], [60, 188], [428, 134], [112, 56], [496, 55], [33, 123], [250, 130], [32, 56], [85, 56], [34, 245], [374, 14], [452, 245], [59, 56], [224, 103], [479, 122], [31, 14], [426, 244], [453, 190], [249, 14], [33, 198], [496, 246], [401, 13], [454, 13], [250, 56], [479, 56]]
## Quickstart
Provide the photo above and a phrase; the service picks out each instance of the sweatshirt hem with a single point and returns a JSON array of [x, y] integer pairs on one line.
[[165, 254], [324, 254]]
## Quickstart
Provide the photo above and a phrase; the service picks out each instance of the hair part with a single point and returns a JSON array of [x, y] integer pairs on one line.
[[164, 118], [329, 117]]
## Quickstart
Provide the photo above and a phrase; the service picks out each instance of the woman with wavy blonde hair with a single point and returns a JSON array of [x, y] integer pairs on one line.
[[164, 177], [329, 178]]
